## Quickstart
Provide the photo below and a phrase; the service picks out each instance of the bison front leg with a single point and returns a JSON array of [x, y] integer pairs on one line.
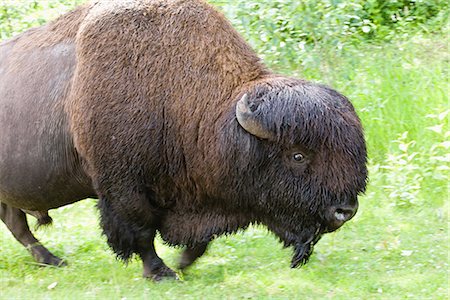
[[190, 254], [133, 232], [16, 221], [154, 267]]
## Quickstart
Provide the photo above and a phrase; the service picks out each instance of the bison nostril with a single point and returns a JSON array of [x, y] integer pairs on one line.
[[344, 214], [340, 215]]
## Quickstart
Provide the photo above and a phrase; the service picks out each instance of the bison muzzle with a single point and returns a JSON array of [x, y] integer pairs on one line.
[[160, 110]]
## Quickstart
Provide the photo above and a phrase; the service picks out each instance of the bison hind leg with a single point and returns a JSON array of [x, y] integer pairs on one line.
[[43, 218], [16, 221]]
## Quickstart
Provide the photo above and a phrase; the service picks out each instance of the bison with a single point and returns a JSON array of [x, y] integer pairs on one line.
[[162, 111]]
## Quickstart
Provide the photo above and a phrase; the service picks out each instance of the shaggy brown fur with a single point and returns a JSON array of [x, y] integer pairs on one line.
[[150, 108]]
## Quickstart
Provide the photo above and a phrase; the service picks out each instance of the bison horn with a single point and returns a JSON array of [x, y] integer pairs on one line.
[[248, 121]]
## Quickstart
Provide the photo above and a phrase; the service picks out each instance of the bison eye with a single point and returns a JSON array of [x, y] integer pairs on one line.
[[298, 157]]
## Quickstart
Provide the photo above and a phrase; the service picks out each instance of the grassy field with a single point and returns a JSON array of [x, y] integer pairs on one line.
[[396, 247]]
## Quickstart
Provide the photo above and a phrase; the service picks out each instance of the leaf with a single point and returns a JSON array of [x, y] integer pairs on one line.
[[446, 144], [366, 29], [51, 286], [437, 128], [406, 252], [442, 115], [403, 147]]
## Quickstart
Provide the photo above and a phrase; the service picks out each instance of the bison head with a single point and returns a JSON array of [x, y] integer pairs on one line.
[[300, 156]]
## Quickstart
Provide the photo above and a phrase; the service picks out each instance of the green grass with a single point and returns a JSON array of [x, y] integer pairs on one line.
[[396, 247]]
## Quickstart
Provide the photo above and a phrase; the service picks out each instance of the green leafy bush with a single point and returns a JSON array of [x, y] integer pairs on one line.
[[282, 30], [17, 16]]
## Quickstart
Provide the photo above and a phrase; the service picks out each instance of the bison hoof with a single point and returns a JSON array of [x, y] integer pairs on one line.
[[52, 260], [45, 257], [161, 274]]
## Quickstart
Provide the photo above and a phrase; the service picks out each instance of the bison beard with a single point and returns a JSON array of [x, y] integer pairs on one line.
[[303, 250], [162, 111], [303, 242]]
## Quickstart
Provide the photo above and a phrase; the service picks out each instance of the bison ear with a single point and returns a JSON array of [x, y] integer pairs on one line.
[[246, 118]]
